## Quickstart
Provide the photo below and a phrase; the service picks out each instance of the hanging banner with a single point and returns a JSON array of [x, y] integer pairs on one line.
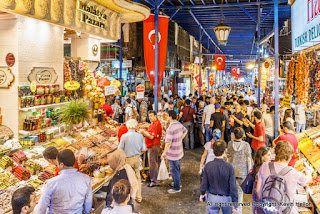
[[149, 46], [220, 62], [234, 71], [211, 79], [286, 101]]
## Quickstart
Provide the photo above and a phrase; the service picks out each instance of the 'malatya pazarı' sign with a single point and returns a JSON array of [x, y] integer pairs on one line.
[[91, 15], [305, 15]]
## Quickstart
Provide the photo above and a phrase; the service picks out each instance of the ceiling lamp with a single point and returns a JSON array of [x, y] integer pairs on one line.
[[222, 30]]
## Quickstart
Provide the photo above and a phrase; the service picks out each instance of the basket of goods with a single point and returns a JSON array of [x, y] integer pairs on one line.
[[21, 173], [32, 166], [5, 162], [19, 157]]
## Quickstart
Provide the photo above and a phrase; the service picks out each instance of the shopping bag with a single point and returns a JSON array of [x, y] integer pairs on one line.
[[163, 173], [247, 184]]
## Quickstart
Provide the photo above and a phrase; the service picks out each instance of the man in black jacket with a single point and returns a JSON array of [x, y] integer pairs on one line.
[[219, 179]]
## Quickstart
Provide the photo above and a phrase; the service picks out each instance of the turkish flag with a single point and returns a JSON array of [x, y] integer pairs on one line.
[[196, 77], [149, 46], [234, 71], [220, 62], [211, 79]]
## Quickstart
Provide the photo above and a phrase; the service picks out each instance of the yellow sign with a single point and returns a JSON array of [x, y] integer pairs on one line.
[[71, 85], [116, 83], [286, 101], [33, 86]]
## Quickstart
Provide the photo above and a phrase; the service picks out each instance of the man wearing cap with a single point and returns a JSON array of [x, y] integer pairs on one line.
[[117, 110], [217, 120]]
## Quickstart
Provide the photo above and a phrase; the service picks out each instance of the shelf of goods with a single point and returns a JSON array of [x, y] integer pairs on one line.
[[309, 147], [25, 166], [43, 106]]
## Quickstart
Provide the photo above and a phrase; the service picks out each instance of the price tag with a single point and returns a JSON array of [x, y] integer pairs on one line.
[[109, 90]]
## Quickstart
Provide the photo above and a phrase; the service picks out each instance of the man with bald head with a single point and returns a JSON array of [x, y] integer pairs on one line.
[[208, 111]]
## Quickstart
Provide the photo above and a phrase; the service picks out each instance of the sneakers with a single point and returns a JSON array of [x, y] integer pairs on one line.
[[172, 184], [172, 191], [153, 185]]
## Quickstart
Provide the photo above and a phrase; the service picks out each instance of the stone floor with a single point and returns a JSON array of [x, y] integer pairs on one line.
[[157, 201]]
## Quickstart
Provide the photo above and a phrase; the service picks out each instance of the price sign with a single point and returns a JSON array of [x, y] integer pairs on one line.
[[109, 90], [71, 85], [286, 101]]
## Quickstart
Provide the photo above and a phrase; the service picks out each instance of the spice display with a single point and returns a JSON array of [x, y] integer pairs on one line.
[[32, 166], [5, 162], [290, 75], [302, 79], [21, 173]]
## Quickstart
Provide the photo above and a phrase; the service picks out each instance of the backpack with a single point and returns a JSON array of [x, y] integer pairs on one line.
[[134, 113], [275, 191]]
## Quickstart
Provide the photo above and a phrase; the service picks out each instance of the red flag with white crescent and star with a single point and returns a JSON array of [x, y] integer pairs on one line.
[[220, 62], [234, 71], [149, 46]]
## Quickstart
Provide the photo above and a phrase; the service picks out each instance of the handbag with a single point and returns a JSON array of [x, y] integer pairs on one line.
[[182, 119], [247, 184]]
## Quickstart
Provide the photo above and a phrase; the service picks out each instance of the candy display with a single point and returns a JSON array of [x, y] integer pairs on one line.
[[21, 173], [19, 157], [32, 166], [4, 149], [7, 180], [5, 132], [45, 175], [35, 183], [5, 162], [13, 144]]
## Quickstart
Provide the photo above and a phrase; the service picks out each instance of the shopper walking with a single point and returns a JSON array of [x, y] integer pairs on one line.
[[259, 135], [207, 112], [220, 181], [173, 150], [217, 120], [239, 155], [153, 138], [293, 178], [237, 118], [263, 155], [268, 120], [116, 108], [289, 136], [187, 116], [133, 144], [55, 191], [144, 110], [300, 118], [199, 129]]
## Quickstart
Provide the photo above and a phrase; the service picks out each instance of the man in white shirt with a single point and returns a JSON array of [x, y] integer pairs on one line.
[[208, 111], [300, 118], [129, 109]]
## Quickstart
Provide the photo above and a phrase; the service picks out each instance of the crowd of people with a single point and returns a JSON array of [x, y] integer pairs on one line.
[[237, 137]]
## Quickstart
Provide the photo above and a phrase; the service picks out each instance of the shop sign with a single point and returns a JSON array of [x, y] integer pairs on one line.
[[286, 101], [117, 83], [6, 77], [95, 50], [81, 65], [109, 90], [91, 15], [72, 85], [305, 16], [140, 88], [103, 82], [43, 75], [10, 59]]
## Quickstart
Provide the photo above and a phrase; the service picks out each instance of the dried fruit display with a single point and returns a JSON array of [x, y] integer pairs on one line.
[[19, 157], [46, 175], [93, 91], [32, 166], [302, 79], [5, 162], [67, 75], [313, 78], [21, 173], [7, 180], [290, 75]]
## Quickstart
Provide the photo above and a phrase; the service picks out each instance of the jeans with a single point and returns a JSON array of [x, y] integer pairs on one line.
[[175, 170], [189, 139], [215, 199], [269, 140], [153, 158], [300, 127], [240, 192], [208, 132]]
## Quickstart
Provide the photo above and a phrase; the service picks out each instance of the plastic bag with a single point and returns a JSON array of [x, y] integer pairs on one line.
[[163, 173]]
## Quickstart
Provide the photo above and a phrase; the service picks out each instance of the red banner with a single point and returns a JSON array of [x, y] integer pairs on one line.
[[234, 71], [149, 46], [211, 79], [220, 62]]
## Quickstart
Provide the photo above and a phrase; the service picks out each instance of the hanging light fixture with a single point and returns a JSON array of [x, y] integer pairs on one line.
[[222, 30]]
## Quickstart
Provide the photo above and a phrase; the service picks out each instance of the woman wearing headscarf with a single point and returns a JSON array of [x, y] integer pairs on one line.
[[117, 162]]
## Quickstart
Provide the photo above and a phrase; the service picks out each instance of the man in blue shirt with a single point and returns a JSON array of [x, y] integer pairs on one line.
[[219, 179], [133, 144], [70, 192]]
